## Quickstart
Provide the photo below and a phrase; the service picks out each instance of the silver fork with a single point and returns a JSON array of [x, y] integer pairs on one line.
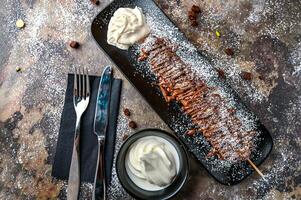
[[81, 97]]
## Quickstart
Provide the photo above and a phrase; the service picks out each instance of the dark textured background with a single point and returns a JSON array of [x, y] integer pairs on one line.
[[265, 37]]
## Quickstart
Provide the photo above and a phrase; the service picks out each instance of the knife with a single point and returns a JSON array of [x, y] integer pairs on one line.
[[100, 127]]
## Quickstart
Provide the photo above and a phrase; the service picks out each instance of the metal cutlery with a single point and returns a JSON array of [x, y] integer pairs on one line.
[[100, 127], [81, 97]]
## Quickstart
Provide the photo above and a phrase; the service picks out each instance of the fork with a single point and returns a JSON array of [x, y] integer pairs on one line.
[[81, 97]]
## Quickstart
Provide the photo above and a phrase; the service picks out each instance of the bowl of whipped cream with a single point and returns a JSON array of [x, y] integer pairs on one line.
[[152, 164]]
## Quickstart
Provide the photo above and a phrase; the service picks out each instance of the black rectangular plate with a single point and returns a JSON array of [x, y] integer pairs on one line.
[[171, 113]]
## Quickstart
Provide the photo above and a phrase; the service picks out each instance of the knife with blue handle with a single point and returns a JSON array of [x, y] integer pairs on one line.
[[100, 127]]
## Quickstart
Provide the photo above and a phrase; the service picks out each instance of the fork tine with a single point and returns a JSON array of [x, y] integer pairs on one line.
[[79, 83], [75, 83], [84, 83], [87, 83]]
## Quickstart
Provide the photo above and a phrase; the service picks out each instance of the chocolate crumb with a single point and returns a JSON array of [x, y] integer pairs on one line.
[[95, 2], [192, 15], [221, 73], [132, 124], [127, 112], [191, 132], [164, 6], [195, 9], [194, 23], [246, 75], [125, 137], [74, 44], [229, 52]]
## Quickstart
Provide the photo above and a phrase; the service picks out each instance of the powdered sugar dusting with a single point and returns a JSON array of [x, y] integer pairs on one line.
[[115, 189], [36, 94], [199, 66]]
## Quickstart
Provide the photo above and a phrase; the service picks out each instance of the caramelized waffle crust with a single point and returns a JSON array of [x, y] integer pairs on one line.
[[202, 103]]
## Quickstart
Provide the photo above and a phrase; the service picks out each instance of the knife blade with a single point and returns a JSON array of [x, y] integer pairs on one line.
[[100, 127]]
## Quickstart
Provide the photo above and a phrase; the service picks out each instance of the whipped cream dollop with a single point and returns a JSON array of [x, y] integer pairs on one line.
[[126, 27], [153, 160]]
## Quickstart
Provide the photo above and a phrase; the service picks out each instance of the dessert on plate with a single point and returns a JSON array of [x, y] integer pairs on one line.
[[204, 104]]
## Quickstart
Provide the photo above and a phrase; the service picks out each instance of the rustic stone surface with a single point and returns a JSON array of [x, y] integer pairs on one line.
[[266, 38]]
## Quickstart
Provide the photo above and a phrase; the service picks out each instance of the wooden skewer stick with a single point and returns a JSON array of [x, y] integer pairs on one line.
[[255, 167]]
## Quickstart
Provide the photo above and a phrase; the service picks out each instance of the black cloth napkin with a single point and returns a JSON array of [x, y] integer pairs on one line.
[[88, 141]]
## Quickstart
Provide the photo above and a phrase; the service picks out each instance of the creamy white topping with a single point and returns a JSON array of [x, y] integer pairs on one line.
[[126, 27], [153, 160]]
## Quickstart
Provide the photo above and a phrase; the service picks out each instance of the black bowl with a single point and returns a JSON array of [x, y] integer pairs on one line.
[[170, 190]]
